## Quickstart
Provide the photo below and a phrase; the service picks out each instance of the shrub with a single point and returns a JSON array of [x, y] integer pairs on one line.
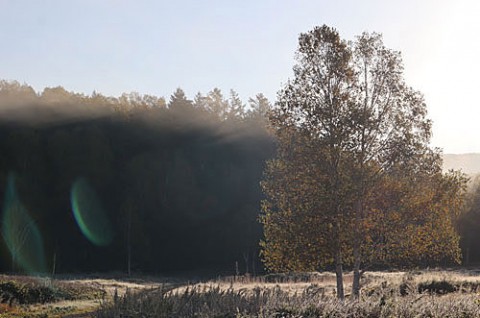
[[437, 287], [12, 292], [24, 291]]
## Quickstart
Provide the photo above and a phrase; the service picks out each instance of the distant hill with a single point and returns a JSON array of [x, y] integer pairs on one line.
[[469, 163]]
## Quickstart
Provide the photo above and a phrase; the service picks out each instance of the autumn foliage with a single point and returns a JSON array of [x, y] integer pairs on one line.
[[355, 182]]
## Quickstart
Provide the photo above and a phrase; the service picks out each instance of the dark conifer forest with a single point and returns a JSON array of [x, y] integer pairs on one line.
[[174, 185], [139, 184]]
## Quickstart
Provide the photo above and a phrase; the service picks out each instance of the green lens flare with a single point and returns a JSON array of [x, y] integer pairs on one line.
[[89, 214], [21, 234]]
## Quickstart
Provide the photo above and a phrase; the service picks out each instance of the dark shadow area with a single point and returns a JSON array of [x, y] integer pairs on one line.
[[177, 185]]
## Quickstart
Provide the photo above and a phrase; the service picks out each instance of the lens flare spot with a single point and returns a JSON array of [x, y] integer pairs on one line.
[[21, 234], [89, 214]]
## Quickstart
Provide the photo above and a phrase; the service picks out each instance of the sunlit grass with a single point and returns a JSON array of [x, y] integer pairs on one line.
[[395, 294], [26, 296]]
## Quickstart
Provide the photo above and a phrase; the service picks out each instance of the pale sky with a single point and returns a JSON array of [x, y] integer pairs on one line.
[[153, 47]]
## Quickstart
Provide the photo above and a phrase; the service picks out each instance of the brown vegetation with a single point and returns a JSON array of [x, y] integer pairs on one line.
[[391, 294], [23, 296]]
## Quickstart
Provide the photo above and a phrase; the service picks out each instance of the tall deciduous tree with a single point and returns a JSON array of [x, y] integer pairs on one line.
[[360, 123]]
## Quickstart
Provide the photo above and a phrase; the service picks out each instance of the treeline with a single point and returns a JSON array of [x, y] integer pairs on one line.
[[174, 183]]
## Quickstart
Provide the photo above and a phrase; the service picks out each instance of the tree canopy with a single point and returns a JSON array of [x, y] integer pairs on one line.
[[351, 134]]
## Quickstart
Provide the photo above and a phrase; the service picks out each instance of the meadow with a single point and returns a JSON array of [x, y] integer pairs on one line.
[[427, 293], [421, 293], [65, 296]]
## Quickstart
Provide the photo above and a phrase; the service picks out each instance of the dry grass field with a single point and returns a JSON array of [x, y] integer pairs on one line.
[[425, 293], [23, 296], [431, 293]]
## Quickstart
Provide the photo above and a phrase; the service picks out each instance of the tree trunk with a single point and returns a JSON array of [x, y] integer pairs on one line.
[[339, 274], [129, 241], [54, 265], [254, 267], [129, 252], [467, 256], [356, 273], [237, 271], [129, 261], [245, 257], [357, 245]]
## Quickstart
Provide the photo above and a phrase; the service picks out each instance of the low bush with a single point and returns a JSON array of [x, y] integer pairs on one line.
[[23, 291], [441, 287], [12, 292]]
